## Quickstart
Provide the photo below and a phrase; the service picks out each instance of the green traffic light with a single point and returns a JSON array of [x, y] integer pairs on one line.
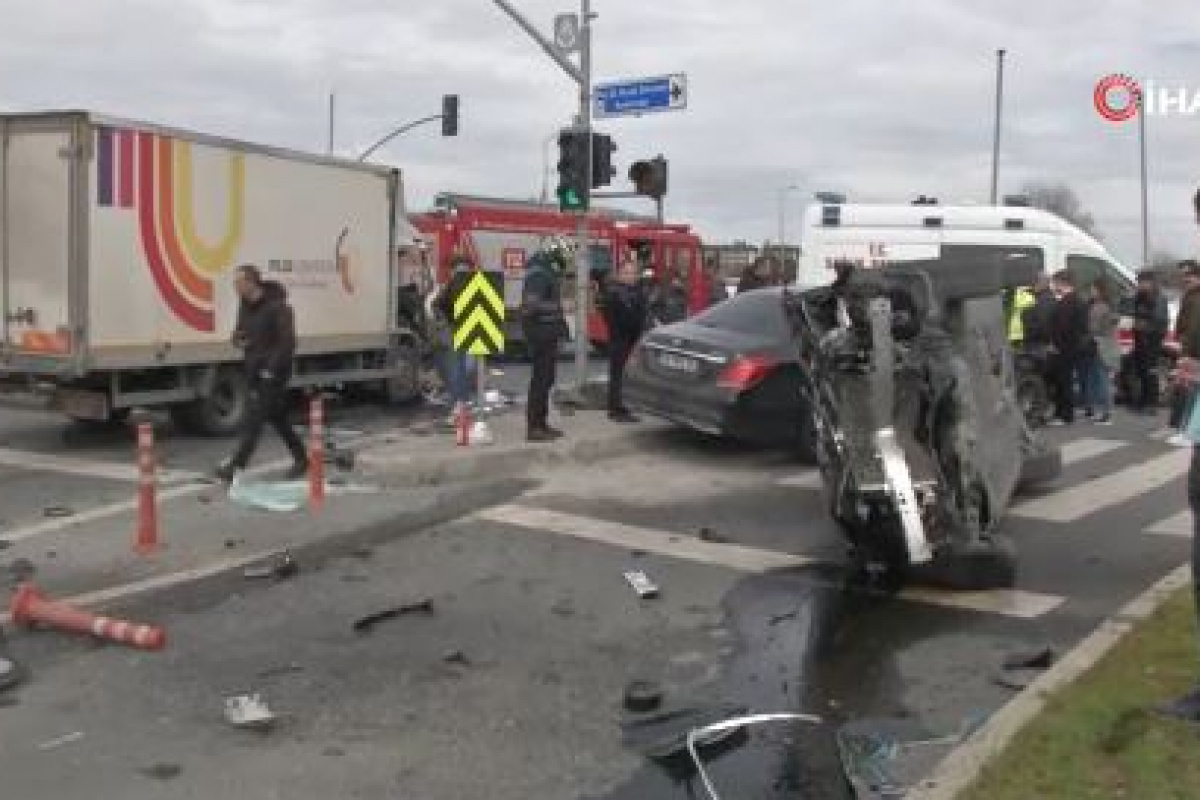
[[569, 200]]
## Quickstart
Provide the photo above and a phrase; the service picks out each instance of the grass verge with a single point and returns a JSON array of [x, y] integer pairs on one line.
[[1102, 737]]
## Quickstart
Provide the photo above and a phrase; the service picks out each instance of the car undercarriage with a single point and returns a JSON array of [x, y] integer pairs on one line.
[[918, 431]]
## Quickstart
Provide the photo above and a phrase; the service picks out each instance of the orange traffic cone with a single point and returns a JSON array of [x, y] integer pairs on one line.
[[29, 607]]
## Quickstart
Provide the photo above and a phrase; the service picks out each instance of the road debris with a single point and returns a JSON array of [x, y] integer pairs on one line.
[[54, 512], [248, 711], [698, 735], [1017, 680], [709, 535], [54, 744], [642, 696], [162, 772], [1042, 658], [275, 672], [662, 737], [884, 758], [365, 624], [280, 567], [642, 584], [11, 674], [457, 657]]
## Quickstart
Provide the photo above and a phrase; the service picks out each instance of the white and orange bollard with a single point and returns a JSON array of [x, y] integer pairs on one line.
[[30, 607], [462, 425], [146, 539], [316, 454]]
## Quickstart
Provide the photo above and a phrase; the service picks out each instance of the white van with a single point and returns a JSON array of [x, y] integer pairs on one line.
[[873, 235]]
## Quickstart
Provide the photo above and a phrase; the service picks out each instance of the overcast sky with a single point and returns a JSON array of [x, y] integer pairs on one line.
[[880, 99]]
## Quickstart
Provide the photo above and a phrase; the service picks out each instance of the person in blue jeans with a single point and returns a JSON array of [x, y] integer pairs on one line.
[[1187, 707], [1102, 356], [459, 369]]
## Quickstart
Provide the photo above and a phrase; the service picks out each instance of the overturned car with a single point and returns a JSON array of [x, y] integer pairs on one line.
[[918, 432]]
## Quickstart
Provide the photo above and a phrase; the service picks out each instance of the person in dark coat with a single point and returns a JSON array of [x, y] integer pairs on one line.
[[755, 276], [1187, 707], [266, 333], [544, 326], [625, 308], [1151, 319], [1187, 326], [1070, 333]]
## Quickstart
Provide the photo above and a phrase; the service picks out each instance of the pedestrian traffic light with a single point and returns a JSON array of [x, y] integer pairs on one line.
[[603, 170], [450, 115], [650, 177], [574, 170]]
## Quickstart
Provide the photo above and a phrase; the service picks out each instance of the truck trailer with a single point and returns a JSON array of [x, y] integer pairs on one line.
[[118, 243]]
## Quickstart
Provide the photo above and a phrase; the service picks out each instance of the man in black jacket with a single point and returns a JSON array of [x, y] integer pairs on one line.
[[1069, 335], [1151, 319], [625, 315], [266, 332], [544, 326]]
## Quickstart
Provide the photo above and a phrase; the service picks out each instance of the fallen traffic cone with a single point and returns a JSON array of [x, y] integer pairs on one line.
[[316, 457], [147, 500], [29, 607]]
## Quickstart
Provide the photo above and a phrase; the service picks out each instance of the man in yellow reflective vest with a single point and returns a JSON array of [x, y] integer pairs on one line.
[[1022, 300]]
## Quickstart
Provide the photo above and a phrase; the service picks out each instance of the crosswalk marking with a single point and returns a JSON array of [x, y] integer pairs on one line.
[[107, 470], [1006, 602], [684, 547], [1177, 525], [1082, 449], [1089, 497], [1073, 452]]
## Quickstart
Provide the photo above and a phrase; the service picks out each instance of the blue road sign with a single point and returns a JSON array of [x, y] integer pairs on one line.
[[641, 96]]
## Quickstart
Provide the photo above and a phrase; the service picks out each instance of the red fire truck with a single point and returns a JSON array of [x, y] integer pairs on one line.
[[500, 235]]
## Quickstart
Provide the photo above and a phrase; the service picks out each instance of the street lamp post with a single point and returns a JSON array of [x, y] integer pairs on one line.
[[783, 216], [1139, 98], [996, 135]]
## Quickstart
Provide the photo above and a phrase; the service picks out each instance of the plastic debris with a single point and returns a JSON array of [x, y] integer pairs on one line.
[[54, 744], [1042, 658], [248, 711], [641, 584], [698, 735], [282, 566], [643, 696], [286, 495], [366, 623]]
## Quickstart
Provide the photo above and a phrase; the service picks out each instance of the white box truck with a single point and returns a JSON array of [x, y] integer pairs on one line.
[[118, 240]]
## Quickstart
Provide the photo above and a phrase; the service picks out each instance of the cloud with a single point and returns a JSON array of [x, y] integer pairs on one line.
[[882, 101]]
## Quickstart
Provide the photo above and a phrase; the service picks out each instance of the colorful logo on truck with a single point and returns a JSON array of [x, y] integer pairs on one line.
[[151, 175]]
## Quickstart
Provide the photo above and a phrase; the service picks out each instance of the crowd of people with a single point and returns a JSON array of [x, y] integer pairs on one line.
[[1071, 336]]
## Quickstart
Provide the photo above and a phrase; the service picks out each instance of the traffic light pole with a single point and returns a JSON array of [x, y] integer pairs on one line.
[[583, 77], [582, 250]]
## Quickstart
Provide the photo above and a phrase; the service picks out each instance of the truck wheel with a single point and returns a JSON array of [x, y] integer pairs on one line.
[[223, 412], [404, 385]]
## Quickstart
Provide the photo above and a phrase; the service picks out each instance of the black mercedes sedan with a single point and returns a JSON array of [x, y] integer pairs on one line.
[[731, 370]]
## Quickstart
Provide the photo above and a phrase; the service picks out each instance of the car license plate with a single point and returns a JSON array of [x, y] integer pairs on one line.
[[678, 363]]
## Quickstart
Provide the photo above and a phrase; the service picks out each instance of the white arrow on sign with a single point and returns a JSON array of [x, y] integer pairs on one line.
[[679, 91]]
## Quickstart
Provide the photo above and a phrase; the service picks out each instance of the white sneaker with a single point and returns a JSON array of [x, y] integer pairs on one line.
[[1179, 440]]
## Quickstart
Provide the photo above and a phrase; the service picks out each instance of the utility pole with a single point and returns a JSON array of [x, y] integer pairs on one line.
[[996, 136], [1141, 114], [331, 117], [582, 75]]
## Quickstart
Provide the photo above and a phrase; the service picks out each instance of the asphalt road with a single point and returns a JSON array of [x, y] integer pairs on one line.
[[512, 687]]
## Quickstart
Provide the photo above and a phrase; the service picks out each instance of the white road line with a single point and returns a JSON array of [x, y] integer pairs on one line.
[[45, 462], [1177, 525], [1073, 452], [1016, 603], [1078, 450], [1089, 497], [809, 479], [113, 509], [103, 596], [684, 547], [1006, 602]]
